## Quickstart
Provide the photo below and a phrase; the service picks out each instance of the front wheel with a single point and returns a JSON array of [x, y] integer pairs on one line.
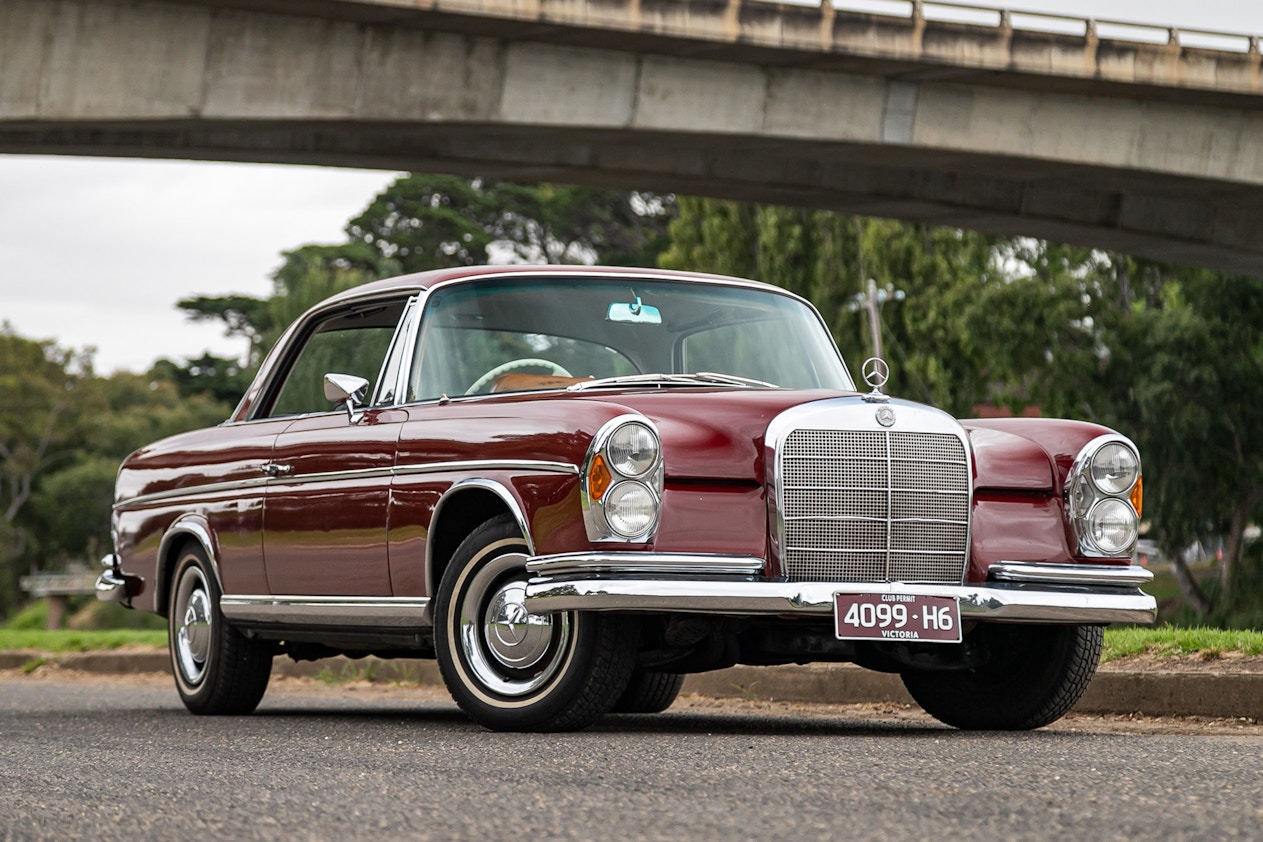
[[218, 670], [1032, 675], [511, 670], [649, 692]]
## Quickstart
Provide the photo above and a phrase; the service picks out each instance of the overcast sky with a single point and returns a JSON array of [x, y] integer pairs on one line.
[[96, 252]]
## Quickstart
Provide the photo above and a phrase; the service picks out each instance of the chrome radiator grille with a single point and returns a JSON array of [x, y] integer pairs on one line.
[[861, 506]]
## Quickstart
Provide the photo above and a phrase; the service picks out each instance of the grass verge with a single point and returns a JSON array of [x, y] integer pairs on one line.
[[1170, 641], [64, 640]]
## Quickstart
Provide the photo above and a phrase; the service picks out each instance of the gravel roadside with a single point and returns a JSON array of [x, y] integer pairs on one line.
[[1228, 687]]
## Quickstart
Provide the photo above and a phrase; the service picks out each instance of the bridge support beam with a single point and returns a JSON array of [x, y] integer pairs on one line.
[[1176, 177]]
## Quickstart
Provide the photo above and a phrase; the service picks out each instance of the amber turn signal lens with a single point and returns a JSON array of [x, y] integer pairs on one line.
[[1138, 495], [599, 478]]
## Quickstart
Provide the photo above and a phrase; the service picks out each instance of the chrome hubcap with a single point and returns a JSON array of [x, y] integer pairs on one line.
[[515, 637], [192, 610], [510, 651]]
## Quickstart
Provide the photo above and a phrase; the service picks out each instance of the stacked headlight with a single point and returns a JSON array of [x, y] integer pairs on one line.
[[622, 481], [1104, 497]]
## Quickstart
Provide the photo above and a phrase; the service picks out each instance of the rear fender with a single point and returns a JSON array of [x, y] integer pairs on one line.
[[188, 528]]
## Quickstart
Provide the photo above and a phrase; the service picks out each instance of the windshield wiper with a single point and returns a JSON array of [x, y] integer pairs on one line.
[[734, 380], [708, 378]]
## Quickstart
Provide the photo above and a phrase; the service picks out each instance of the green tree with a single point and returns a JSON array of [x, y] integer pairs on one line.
[[220, 378], [439, 221], [242, 316], [828, 258], [1171, 356], [63, 431], [1188, 365], [310, 274], [41, 423]]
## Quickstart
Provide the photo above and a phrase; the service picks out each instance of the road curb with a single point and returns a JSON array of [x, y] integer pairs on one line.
[[1220, 695]]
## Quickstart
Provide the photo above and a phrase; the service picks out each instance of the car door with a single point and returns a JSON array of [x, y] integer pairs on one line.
[[325, 512], [325, 508]]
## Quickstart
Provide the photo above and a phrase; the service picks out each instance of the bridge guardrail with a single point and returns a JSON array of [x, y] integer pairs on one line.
[[1051, 22]]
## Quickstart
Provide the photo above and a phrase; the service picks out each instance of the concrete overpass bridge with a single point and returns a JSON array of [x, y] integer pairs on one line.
[[1088, 132]]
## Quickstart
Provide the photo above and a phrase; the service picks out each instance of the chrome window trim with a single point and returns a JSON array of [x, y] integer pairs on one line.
[[277, 358], [526, 465], [409, 361], [376, 611], [399, 343], [852, 413]]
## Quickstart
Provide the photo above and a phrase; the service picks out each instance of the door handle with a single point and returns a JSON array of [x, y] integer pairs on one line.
[[273, 469]]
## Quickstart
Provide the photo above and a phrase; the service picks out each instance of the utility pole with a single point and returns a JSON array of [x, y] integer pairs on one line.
[[871, 300]]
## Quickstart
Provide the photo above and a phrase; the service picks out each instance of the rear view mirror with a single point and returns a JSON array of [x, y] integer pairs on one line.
[[634, 313]]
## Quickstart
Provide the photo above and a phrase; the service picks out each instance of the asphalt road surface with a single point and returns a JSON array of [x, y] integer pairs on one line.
[[109, 759]]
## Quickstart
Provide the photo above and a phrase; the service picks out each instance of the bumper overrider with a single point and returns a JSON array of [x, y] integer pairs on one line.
[[111, 585], [1015, 592]]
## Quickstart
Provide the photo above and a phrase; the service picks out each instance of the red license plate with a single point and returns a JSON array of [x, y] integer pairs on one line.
[[897, 617]]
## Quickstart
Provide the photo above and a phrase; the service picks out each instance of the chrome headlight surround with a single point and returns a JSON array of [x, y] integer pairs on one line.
[[1093, 504], [638, 482]]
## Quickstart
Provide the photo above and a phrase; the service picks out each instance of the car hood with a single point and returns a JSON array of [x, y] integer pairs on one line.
[[719, 435], [715, 434]]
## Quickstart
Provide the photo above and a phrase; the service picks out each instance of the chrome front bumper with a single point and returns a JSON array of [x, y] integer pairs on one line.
[[1016, 592]]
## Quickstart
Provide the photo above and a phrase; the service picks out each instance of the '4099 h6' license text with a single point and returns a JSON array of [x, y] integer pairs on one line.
[[897, 617]]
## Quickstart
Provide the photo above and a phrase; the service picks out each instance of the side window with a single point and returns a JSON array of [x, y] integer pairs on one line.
[[352, 341]]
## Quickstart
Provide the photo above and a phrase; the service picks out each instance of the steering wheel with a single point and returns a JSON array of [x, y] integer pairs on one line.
[[513, 365]]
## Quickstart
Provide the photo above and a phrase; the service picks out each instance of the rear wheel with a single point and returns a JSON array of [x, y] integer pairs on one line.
[[649, 692], [511, 670], [217, 669], [1032, 675]]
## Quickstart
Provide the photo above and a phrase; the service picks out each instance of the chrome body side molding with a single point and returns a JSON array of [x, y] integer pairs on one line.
[[346, 611], [468, 465]]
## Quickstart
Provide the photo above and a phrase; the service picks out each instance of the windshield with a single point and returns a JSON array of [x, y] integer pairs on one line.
[[527, 333]]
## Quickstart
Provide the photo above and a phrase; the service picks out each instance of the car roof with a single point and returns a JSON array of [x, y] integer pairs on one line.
[[441, 277]]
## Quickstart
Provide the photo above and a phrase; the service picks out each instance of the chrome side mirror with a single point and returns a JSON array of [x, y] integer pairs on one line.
[[348, 391]]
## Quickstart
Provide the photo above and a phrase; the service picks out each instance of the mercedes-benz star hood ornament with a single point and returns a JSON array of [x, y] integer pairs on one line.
[[876, 373]]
